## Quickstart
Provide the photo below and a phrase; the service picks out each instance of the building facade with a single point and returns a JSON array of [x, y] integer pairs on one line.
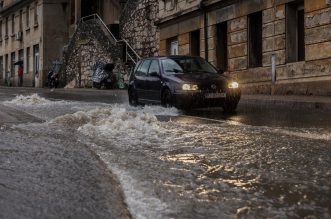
[[36, 32], [29, 33], [245, 38]]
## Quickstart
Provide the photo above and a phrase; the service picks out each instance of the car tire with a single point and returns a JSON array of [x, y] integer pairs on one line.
[[230, 105], [133, 97], [166, 100]]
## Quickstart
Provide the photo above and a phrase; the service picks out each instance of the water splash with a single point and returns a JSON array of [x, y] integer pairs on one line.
[[33, 99]]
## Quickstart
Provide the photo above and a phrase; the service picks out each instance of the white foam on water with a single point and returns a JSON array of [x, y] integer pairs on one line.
[[123, 125], [30, 100], [113, 123], [141, 205]]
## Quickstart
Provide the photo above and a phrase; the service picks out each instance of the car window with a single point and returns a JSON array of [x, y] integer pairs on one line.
[[137, 66], [154, 67], [142, 71], [187, 65], [170, 66]]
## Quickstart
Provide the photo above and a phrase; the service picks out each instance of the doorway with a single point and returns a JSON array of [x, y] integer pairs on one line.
[[35, 64], [195, 43], [89, 7], [222, 46]]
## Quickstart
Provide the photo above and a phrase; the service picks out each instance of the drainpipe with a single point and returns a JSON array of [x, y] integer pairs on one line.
[[205, 18]]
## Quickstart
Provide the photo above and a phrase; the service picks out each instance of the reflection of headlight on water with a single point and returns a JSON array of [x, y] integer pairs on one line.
[[233, 85], [190, 87]]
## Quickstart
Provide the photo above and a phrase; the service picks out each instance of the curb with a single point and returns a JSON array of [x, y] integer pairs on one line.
[[292, 102]]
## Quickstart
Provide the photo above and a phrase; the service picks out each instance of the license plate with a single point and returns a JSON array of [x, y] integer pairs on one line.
[[215, 95]]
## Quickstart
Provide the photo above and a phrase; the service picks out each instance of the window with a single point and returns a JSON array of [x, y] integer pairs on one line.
[[20, 55], [27, 17], [190, 65], [36, 59], [12, 66], [0, 30], [6, 65], [195, 43], [172, 46], [222, 46], [36, 14], [27, 60], [6, 27], [21, 20], [1, 67], [143, 68], [255, 39], [154, 67], [13, 24], [295, 32], [72, 12]]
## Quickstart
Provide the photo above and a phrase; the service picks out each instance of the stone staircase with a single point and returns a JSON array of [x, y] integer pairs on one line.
[[93, 42]]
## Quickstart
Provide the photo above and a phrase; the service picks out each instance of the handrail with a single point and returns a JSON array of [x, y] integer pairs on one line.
[[112, 35]]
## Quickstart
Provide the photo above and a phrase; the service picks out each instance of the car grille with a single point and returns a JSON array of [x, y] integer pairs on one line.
[[213, 88]]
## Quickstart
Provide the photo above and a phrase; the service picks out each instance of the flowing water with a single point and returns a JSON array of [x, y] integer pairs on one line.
[[175, 166]]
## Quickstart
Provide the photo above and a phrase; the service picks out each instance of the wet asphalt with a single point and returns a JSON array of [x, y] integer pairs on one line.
[[58, 177], [264, 113]]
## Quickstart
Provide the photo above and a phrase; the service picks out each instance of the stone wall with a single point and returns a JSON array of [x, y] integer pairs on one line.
[[137, 26], [90, 44]]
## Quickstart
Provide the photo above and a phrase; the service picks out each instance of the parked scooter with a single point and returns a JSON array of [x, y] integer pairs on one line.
[[53, 79], [102, 75]]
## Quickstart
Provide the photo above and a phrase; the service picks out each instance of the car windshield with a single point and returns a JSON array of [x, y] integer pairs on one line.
[[187, 65]]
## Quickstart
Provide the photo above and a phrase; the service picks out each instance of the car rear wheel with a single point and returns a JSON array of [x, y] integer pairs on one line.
[[167, 99], [133, 98]]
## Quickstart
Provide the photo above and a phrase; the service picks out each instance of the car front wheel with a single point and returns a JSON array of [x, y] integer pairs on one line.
[[167, 99], [230, 105], [133, 98]]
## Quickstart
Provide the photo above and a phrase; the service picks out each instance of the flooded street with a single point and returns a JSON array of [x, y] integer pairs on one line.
[[88, 154]]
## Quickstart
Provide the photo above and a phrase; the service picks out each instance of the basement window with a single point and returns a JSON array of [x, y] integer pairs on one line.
[[295, 32], [222, 46], [255, 39]]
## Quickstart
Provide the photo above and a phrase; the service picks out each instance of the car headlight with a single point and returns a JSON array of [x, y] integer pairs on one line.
[[190, 87], [233, 85]]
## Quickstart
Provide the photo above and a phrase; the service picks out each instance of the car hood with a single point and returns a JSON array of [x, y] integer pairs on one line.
[[198, 78]]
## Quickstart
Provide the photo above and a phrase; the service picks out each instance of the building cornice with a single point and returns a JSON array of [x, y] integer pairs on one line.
[[208, 5], [14, 7]]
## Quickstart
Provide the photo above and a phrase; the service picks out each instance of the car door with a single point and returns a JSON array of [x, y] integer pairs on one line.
[[140, 79], [154, 82]]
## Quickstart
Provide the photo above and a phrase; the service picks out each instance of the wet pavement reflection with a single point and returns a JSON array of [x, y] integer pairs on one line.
[[259, 163]]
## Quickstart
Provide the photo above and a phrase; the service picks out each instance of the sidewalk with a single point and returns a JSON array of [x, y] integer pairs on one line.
[[292, 101]]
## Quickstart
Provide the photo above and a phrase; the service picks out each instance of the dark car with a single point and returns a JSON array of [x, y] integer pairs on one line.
[[181, 81]]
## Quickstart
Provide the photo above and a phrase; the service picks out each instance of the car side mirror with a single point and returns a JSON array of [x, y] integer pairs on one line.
[[154, 74], [220, 71]]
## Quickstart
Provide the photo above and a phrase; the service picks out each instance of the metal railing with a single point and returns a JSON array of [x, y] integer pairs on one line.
[[130, 53]]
